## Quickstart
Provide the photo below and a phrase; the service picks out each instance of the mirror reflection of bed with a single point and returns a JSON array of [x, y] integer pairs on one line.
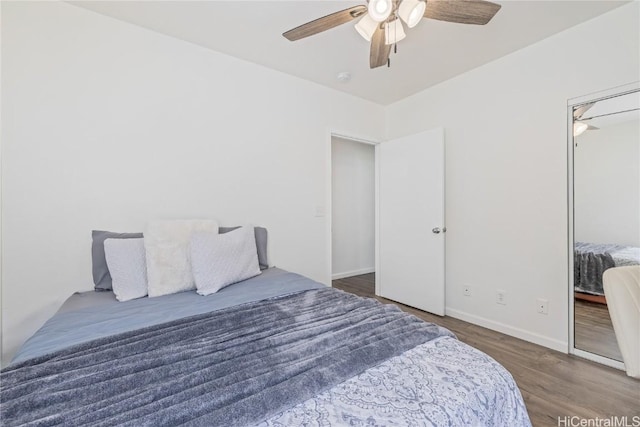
[[606, 211]]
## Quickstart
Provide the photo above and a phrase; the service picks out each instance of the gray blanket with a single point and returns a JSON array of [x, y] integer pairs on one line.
[[590, 262], [235, 366]]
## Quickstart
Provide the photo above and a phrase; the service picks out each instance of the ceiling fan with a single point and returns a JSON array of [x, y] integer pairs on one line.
[[579, 125], [381, 21]]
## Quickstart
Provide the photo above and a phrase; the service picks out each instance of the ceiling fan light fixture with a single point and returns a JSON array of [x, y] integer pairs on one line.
[[412, 11], [379, 10], [579, 128], [394, 32], [366, 27]]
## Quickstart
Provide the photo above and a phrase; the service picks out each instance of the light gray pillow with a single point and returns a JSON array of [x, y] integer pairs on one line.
[[127, 267], [101, 276], [219, 260], [167, 252], [261, 243]]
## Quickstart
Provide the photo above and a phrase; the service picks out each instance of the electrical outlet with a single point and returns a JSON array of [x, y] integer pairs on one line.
[[501, 297], [467, 291], [543, 306]]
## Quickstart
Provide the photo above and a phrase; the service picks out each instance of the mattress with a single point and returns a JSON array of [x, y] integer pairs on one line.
[[427, 380]]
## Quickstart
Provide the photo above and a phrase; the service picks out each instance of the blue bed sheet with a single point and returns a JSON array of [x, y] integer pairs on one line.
[[90, 315]]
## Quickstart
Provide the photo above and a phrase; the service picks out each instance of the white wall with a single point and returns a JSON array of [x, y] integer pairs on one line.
[[107, 125], [506, 178], [353, 208], [607, 185]]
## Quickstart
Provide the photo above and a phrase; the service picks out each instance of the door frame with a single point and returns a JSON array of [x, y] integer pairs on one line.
[[597, 96], [332, 133]]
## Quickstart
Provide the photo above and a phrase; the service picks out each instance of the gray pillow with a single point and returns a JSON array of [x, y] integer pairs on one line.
[[261, 243], [101, 276]]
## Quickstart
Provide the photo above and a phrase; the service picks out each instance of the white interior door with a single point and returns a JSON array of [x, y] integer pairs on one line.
[[411, 221]]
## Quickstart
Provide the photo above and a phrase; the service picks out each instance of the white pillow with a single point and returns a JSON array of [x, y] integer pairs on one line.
[[219, 260], [127, 266], [167, 247]]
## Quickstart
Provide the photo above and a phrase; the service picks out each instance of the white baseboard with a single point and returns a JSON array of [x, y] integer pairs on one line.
[[557, 345], [352, 273]]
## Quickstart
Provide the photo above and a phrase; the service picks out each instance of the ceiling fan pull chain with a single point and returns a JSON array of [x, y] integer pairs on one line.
[[388, 62], [395, 48]]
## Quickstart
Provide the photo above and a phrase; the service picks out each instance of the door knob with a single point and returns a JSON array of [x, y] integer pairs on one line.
[[436, 230]]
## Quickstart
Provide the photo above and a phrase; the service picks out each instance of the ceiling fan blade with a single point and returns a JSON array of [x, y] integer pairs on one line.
[[380, 51], [477, 12], [325, 23], [579, 112]]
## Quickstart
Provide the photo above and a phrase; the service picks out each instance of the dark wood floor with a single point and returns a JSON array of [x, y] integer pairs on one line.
[[553, 384], [594, 330]]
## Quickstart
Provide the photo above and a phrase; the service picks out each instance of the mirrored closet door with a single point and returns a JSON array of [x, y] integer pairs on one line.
[[606, 211]]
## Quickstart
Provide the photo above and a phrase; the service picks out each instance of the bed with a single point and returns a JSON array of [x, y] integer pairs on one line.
[[591, 260], [275, 350]]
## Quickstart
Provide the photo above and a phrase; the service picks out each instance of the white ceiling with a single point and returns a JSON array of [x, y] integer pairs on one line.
[[433, 51]]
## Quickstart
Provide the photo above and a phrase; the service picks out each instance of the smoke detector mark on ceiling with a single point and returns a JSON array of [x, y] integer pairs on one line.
[[344, 77]]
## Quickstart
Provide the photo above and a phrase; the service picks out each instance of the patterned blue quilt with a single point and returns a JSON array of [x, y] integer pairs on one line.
[[440, 383]]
